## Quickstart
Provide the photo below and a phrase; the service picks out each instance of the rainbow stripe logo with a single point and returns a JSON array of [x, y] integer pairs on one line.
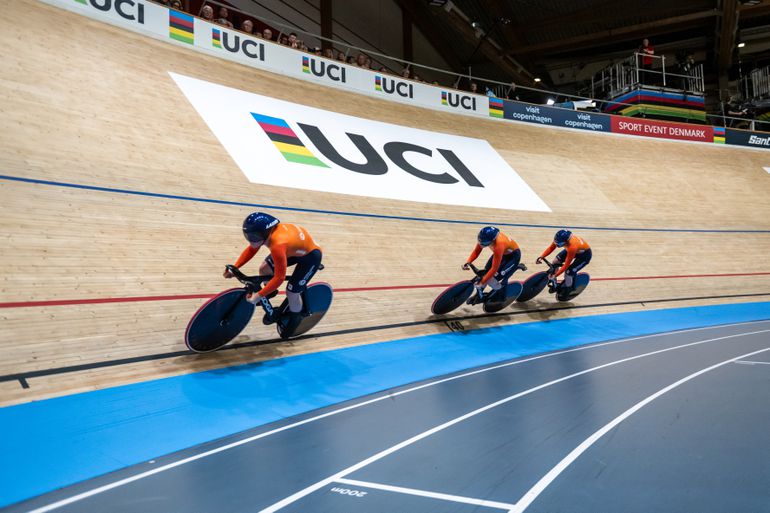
[[443, 98], [216, 38], [305, 64], [181, 27], [287, 142], [719, 135], [496, 107], [378, 83]]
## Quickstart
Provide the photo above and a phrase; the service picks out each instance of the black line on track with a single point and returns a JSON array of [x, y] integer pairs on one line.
[[23, 376]]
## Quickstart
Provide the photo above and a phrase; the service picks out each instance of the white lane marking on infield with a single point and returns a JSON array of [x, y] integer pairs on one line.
[[552, 474], [425, 493], [361, 464]]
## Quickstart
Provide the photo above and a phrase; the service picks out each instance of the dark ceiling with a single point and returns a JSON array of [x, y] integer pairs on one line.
[[556, 39]]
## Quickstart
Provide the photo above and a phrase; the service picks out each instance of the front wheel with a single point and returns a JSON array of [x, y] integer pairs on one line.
[[218, 321], [453, 297]]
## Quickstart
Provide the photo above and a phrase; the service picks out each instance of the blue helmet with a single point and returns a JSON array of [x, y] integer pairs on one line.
[[561, 237], [258, 225], [487, 235]]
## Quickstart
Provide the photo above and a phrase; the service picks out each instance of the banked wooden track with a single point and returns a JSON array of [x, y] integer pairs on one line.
[[89, 104]]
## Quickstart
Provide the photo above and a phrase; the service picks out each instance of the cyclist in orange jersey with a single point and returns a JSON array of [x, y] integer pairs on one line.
[[505, 259], [289, 244], [573, 258]]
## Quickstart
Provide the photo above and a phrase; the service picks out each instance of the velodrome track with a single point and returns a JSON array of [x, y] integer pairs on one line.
[[119, 209]]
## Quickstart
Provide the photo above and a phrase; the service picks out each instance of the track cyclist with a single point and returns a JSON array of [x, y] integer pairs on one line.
[[570, 260], [505, 259]]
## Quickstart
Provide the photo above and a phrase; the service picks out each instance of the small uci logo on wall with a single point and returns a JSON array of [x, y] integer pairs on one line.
[[234, 43], [458, 101], [321, 68], [390, 86]]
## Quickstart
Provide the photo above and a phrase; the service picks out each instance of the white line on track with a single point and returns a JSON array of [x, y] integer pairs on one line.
[[747, 362], [168, 466], [425, 434], [425, 493], [547, 479]]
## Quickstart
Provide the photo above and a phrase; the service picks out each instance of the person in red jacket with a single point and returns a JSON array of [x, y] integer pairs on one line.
[[505, 259], [574, 257], [289, 245]]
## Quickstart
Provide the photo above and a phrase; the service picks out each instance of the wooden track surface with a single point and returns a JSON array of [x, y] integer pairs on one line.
[[87, 103]]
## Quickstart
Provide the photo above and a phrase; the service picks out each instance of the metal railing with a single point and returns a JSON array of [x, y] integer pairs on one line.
[[632, 72]]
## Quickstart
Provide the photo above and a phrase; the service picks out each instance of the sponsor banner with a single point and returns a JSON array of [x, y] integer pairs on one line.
[[746, 138], [182, 28], [552, 116], [661, 129], [285, 144]]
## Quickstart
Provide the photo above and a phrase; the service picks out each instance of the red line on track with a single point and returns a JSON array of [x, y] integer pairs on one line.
[[137, 299]]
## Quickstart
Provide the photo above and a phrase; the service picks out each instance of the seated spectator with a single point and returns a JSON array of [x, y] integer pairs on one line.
[[284, 40], [176, 4], [207, 13], [223, 20], [293, 40], [368, 62], [267, 34], [435, 83], [341, 56], [474, 88], [317, 51], [361, 60], [383, 69], [329, 53], [351, 60], [247, 26], [406, 73]]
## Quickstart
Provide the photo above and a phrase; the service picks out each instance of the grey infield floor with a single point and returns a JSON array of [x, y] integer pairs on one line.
[[674, 422]]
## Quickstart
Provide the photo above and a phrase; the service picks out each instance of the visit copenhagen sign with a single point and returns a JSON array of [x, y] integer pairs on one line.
[[279, 143]]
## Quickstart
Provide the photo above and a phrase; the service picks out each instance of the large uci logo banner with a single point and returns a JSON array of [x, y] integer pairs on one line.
[[285, 144]]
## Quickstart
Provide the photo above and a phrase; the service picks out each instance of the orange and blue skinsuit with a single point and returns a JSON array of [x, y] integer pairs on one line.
[[505, 259], [289, 244], [575, 255]]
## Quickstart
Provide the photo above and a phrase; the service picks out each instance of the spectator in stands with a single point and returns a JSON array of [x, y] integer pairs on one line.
[[361, 60], [383, 69], [341, 56], [293, 40], [247, 26], [267, 34], [368, 62], [207, 13], [406, 73], [329, 53], [317, 51], [647, 52], [352, 60], [284, 40], [416, 78], [176, 4], [223, 20], [474, 88], [733, 108]]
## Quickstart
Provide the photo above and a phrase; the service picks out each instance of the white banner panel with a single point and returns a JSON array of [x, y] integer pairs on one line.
[[275, 142]]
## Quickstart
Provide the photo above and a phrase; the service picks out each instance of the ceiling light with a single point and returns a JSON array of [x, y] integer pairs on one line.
[[550, 101], [537, 79], [741, 45]]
